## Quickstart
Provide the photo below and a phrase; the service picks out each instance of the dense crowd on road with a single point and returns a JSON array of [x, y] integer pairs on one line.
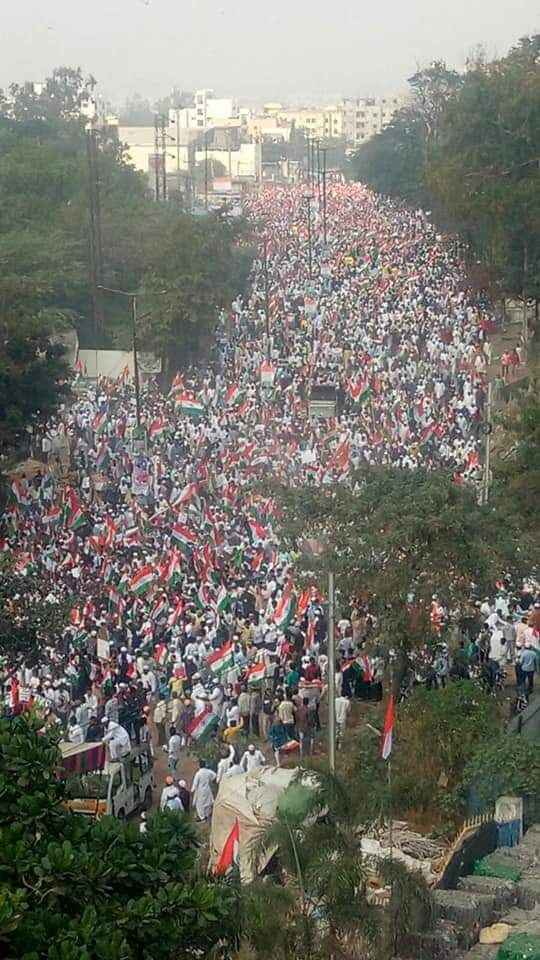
[[185, 610]]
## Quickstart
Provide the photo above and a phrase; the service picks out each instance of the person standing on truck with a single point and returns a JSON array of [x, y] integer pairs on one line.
[[117, 739]]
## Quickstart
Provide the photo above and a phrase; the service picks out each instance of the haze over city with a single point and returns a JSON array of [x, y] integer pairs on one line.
[[307, 50]]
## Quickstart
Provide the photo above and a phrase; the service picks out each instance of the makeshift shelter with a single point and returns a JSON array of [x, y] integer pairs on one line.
[[253, 798]]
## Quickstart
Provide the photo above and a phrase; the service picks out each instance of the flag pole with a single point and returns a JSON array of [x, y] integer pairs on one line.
[[391, 825]]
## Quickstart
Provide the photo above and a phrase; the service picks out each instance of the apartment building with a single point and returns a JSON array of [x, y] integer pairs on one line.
[[365, 117]]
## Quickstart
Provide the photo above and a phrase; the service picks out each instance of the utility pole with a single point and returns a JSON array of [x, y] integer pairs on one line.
[[206, 169], [308, 198], [331, 674], [308, 157], [266, 298], [177, 117], [484, 493], [163, 139], [324, 151], [313, 164], [156, 157], [318, 148], [525, 334], [135, 358], [96, 247], [133, 299]]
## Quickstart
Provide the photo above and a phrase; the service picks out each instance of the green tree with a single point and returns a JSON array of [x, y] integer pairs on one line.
[[322, 909], [402, 536], [45, 229], [27, 620], [517, 473], [74, 887], [34, 380], [394, 162], [503, 766]]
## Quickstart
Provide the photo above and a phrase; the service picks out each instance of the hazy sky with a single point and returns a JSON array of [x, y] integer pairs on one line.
[[258, 49]]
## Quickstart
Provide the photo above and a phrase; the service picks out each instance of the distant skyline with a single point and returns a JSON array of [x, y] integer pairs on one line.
[[303, 51]]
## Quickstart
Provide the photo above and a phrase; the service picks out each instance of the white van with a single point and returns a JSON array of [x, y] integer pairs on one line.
[[99, 787]]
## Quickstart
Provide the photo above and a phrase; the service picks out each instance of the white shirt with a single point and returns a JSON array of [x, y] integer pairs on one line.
[[250, 761]]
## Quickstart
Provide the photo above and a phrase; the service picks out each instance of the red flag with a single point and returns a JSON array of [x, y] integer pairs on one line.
[[386, 746], [230, 855]]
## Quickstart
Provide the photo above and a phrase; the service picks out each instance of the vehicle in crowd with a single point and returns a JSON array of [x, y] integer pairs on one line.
[[97, 786]]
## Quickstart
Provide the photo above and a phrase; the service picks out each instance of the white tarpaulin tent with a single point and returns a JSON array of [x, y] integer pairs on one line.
[[253, 798]]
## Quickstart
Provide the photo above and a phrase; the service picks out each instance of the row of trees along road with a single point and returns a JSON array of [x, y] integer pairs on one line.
[[467, 147], [45, 252]]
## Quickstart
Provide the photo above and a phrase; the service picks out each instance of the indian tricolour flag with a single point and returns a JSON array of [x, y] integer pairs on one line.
[[162, 654], [360, 389], [285, 610], [53, 518], [19, 489], [99, 422], [185, 539], [189, 406], [223, 600], [255, 673], [142, 581], [202, 724], [256, 531], [232, 395], [160, 608], [229, 857], [103, 457], [173, 572], [75, 515], [386, 745], [222, 659], [177, 384], [185, 496], [157, 428]]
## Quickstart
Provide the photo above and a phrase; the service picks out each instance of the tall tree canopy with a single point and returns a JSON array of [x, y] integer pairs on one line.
[[402, 536], [45, 229], [468, 148]]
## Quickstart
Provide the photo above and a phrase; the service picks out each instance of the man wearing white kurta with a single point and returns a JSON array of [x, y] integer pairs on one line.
[[201, 791]]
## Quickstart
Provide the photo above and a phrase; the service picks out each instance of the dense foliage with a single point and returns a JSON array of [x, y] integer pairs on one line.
[[400, 537], [45, 234], [505, 766], [467, 148], [436, 733], [74, 888], [28, 621]]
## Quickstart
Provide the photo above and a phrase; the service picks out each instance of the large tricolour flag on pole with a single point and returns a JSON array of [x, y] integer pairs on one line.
[[230, 855], [386, 746]]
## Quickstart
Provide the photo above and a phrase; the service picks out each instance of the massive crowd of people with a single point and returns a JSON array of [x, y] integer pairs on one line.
[[185, 610]]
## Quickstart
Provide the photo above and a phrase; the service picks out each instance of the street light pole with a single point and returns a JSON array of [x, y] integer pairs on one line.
[[331, 675], [266, 298], [135, 358], [308, 200], [325, 234], [133, 297]]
